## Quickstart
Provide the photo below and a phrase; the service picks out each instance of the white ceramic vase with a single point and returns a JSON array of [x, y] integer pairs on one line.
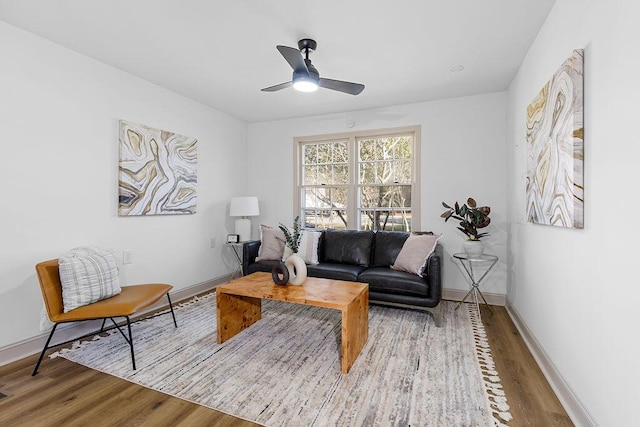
[[297, 269], [473, 248]]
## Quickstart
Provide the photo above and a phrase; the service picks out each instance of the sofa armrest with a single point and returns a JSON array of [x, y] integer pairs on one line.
[[249, 254], [434, 273]]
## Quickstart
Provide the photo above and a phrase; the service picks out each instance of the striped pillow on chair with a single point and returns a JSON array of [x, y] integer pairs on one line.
[[87, 275]]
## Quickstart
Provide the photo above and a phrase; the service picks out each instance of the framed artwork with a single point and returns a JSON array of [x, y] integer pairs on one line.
[[157, 171], [555, 148]]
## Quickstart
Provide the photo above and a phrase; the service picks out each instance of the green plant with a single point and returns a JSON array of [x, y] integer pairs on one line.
[[291, 240], [470, 216]]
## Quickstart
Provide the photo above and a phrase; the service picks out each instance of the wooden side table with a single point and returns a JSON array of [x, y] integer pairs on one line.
[[468, 263]]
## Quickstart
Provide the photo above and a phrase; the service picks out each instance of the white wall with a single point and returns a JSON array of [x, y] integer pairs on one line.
[[577, 290], [463, 154], [59, 115]]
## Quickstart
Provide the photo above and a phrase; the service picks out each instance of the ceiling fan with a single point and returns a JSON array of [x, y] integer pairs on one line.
[[305, 76]]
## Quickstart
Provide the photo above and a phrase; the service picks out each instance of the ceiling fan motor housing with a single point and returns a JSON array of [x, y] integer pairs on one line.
[[307, 44]]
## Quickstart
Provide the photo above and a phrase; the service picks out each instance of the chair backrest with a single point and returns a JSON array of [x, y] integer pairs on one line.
[[49, 277]]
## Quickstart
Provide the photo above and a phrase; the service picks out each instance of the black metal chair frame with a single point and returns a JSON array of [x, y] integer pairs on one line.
[[128, 339]]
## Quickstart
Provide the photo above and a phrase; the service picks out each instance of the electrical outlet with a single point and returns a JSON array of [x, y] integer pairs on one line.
[[127, 256], [212, 242]]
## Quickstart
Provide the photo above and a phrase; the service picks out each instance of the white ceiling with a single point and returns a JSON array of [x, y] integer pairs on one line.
[[221, 53]]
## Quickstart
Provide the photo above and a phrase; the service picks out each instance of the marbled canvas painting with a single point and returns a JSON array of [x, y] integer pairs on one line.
[[555, 148], [158, 172]]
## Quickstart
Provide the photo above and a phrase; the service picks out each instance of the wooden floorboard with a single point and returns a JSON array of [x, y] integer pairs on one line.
[[68, 394], [530, 397]]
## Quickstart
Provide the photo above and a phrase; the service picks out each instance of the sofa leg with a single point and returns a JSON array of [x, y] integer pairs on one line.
[[436, 312]]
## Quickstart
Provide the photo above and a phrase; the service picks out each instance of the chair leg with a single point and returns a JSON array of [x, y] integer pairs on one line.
[[133, 356], [103, 323], [46, 346], [172, 313]]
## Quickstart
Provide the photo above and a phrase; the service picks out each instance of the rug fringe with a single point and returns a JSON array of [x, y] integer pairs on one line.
[[492, 386]]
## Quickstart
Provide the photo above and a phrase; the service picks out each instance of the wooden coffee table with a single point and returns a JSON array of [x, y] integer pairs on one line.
[[239, 305]]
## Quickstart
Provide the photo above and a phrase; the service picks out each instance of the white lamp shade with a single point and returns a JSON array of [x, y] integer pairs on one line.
[[244, 206]]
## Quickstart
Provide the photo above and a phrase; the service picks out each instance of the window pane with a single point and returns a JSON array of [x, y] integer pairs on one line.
[[309, 219], [324, 153], [324, 175], [366, 220], [316, 197], [367, 173], [339, 197], [386, 148], [385, 196], [326, 218], [338, 219], [367, 150], [389, 147], [309, 175], [385, 172], [309, 154], [403, 171], [384, 219], [404, 148], [340, 152], [340, 174]]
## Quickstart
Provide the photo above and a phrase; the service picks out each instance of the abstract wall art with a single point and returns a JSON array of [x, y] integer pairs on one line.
[[157, 171], [555, 149]]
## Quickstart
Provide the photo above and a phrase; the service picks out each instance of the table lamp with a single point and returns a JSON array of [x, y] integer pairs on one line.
[[244, 207]]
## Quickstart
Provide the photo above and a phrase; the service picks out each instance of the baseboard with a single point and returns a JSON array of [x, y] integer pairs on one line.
[[70, 331], [457, 295], [576, 411]]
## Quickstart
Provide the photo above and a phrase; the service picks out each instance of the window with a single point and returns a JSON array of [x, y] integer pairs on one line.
[[364, 181]]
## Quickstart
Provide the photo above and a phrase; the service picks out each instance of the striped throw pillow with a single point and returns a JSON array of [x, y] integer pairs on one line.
[[87, 275]]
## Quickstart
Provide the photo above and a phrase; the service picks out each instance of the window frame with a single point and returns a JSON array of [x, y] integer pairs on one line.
[[352, 139]]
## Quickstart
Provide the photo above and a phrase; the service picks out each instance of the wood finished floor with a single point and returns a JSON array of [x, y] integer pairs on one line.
[[67, 394]]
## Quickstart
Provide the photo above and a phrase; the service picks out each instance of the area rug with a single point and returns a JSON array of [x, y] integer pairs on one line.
[[285, 369]]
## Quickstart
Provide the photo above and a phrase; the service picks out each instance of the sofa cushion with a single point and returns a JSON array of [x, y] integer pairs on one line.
[[260, 266], [272, 246], [348, 247], [335, 271], [387, 246], [406, 300], [415, 253], [385, 280]]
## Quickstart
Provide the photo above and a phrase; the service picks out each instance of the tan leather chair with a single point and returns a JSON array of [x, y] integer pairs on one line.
[[131, 300]]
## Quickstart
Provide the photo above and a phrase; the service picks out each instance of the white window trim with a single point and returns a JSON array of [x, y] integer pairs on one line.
[[416, 204]]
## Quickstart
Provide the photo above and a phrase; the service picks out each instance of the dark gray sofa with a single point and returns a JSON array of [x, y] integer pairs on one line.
[[366, 256]]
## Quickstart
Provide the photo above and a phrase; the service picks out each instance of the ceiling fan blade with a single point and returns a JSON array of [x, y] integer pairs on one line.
[[276, 87], [339, 85], [294, 58]]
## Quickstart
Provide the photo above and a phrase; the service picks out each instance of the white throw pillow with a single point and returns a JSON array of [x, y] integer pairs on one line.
[[308, 248], [87, 275], [271, 247], [415, 252]]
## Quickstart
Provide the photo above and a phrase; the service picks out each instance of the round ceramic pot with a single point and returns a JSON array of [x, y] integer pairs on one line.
[[473, 248]]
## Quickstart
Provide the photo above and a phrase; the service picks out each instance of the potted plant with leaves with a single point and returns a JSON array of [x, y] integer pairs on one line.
[[471, 218], [294, 263]]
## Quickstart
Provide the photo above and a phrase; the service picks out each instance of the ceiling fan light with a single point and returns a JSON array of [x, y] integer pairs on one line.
[[304, 84]]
